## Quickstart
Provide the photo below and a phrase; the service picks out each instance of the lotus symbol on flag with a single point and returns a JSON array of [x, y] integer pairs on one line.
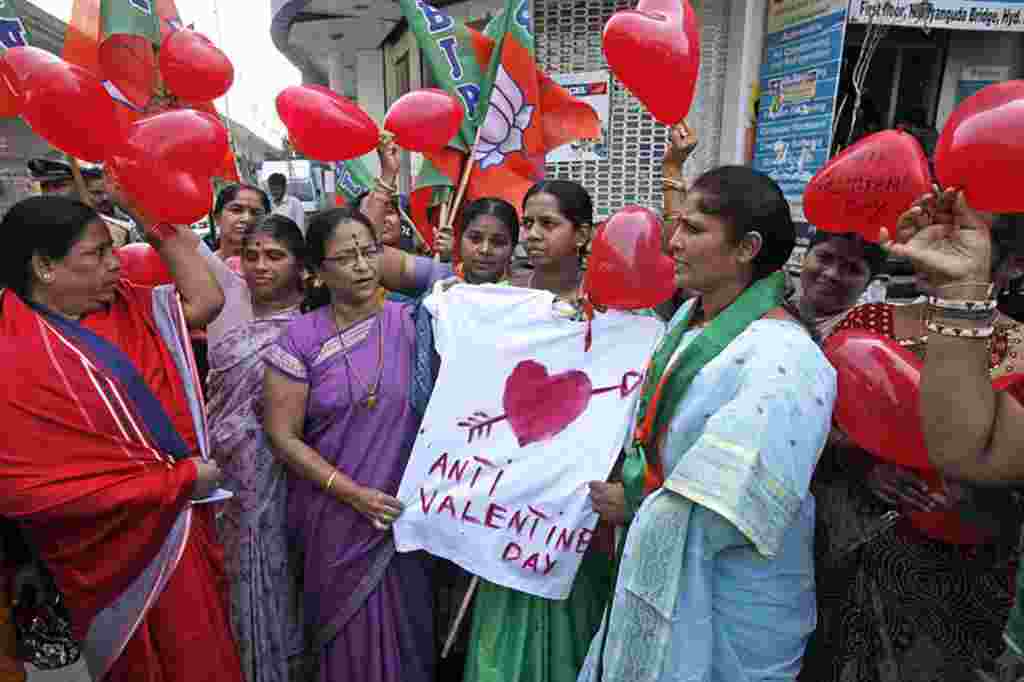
[[507, 120]]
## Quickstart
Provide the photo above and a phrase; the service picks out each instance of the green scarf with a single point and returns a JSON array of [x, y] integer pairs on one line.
[[757, 300]]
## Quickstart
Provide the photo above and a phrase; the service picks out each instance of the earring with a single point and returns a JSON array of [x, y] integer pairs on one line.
[[48, 277]]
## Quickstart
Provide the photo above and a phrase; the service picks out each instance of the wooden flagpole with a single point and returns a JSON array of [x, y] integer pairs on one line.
[[461, 616]]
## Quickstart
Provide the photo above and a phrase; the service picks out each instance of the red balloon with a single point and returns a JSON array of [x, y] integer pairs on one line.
[[424, 120], [627, 268], [655, 51], [142, 264], [69, 108], [9, 103], [193, 68], [878, 403], [868, 185], [325, 126], [982, 146], [127, 61], [165, 163], [19, 63], [182, 139]]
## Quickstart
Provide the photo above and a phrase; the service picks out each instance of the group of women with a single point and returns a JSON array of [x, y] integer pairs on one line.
[[322, 362]]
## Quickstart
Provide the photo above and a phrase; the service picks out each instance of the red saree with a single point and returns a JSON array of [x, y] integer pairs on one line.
[[94, 466]]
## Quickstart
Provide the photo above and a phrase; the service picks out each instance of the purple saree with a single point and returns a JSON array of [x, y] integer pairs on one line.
[[262, 572], [370, 609]]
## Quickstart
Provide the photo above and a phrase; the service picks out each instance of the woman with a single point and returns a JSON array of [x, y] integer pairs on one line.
[[836, 271], [716, 580], [338, 414], [978, 436], [518, 637], [236, 209], [105, 373], [257, 308], [876, 620]]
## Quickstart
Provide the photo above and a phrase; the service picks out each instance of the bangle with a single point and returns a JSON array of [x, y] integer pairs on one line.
[[330, 481], [960, 332]]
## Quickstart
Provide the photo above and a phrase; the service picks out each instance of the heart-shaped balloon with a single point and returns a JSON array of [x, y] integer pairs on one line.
[[325, 126], [539, 406], [878, 404], [142, 264], [52, 93], [627, 268], [10, 106], [181, 140], [19, 64], [127, 60], [868, 185], [165, 163], [981, 148], [424, 120], [193, 68], [655, 51]]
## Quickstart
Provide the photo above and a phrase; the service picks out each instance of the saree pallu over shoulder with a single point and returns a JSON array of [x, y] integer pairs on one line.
[[112, 521]]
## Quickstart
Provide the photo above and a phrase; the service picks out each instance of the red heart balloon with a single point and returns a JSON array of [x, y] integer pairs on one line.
[[165, 163], [127, 60], [19, 63], [655, 51], [540, 406], [142, 264], [627, 268], [182, 139], [981, 148], [878, 403], [54, 90], [10, 106], [424, 120], [325, 126], [193, 68], [868, 185]]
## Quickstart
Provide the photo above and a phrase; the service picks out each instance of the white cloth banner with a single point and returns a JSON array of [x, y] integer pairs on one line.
[[522, 418]]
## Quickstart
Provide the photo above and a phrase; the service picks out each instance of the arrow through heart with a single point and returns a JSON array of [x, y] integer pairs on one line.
[[539, 406]]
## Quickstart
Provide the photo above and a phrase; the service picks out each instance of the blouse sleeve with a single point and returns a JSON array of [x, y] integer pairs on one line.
[[425, 273], [286, 357], [752, 463]]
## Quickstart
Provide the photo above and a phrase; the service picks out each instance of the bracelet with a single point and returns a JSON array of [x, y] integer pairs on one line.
[[962, 305], [330, 481], [960, 332]]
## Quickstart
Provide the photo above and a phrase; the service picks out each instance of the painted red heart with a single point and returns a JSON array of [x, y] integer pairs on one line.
[[627, 268], [868, 185], [424, 120], [981, 147], [655, 51], [325, 126], [539, 406]]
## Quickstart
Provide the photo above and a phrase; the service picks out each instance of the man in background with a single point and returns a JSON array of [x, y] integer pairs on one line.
[[285, 204]]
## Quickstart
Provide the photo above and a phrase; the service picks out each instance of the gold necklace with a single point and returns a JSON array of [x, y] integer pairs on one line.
[[369, 401]]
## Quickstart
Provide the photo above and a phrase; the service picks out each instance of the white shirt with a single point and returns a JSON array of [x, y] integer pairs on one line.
[[290, 207]]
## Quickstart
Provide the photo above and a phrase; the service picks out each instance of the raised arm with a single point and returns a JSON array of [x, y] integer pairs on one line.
[[201, 296], [972, 433], [682, 142]]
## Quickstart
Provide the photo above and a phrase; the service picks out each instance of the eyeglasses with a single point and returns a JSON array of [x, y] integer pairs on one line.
[[347, 259], [240, 209]]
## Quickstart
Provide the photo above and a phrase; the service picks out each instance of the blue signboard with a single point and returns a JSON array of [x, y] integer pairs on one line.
[[799, 81]]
